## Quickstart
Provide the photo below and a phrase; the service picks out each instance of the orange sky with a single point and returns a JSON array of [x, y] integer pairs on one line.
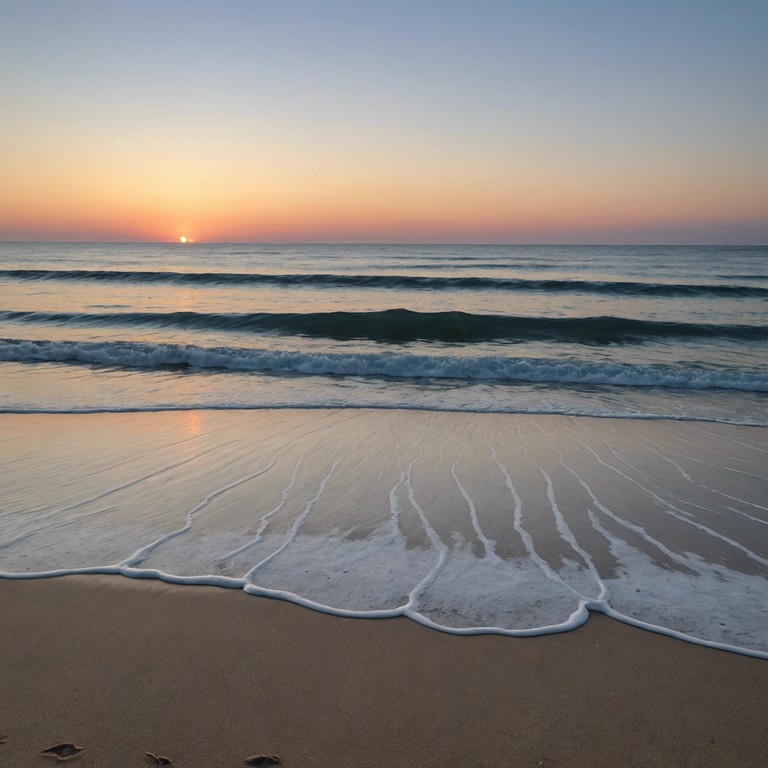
[[461, 137]]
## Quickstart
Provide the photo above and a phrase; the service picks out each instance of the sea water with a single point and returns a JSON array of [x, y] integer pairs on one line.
[[647, 331], [641, 333]]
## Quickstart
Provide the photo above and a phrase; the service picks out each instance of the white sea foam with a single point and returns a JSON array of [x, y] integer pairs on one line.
[[463, 522], [500, 368]]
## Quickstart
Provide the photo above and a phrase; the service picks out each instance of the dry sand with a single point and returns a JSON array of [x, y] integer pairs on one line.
[[208, 677]]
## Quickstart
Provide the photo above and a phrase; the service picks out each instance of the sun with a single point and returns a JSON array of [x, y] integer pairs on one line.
[[183, 239]]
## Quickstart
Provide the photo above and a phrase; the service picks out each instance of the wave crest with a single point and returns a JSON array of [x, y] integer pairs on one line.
[[404, 325], [401, 366], [396, 282]]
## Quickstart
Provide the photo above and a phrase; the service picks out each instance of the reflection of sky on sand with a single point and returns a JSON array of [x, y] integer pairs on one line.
[[468, 520], [194, 420]]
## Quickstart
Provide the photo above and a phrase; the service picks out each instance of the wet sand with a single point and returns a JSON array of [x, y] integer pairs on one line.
[[353, 508], [468, 520], [208, 677]]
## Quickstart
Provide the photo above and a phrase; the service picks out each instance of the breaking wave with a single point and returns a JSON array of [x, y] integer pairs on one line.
[[397, 366]]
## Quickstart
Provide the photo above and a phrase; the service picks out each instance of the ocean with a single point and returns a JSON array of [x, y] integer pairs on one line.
[[677, 332], [394, 366]]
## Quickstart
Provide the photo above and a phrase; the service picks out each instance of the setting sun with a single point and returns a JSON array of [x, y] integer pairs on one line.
[[183, 239]]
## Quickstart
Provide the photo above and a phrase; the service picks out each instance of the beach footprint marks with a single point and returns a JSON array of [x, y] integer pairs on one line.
[[156, 759], [66, 750], [63, 751], [262, 761], [256, 761]]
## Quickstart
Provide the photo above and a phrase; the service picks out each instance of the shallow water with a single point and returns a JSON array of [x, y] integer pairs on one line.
[[466, 522]]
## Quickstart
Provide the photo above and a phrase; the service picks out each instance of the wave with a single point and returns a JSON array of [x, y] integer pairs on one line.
[[403, 325], [750, 276], [393, 282], [378, 365]]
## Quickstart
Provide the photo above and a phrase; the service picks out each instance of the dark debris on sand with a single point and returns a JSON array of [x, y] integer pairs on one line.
[[156, 759], [262, 761], [63, 751]]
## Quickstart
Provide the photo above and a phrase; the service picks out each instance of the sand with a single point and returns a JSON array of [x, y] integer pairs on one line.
[[208, 677], [356, 504]]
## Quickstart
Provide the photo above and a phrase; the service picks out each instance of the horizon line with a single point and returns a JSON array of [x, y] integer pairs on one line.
[[379, 243]]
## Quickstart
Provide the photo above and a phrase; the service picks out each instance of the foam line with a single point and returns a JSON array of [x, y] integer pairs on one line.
[[374, 405], [708, 488], [575, 620], [517, 523], [750, 517], [436, 541], [394, 510], [716, 511], [687, 477], [733, 440], [676, 512], [490, 546], [698, 446], [624, 618], [659, 630], [394, 504], [564, 529], [732, 509], [291, 597], [578, 618], [297, 525], [24, 535], [144, 552], [713, 490], [716, 466], [666, 458], [638, 529], [264, 522], [104, 494]]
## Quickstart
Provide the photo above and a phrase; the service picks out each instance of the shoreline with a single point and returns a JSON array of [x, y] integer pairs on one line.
[[590, 610], [464, 521], [375, 407], [527, 515], [207, 677]]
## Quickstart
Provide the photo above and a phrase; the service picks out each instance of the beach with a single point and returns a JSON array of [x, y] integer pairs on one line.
[[209, 676], [206, 675], [470, 523], [383, 505]]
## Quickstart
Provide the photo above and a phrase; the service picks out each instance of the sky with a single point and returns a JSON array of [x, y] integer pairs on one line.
[[390, 121]]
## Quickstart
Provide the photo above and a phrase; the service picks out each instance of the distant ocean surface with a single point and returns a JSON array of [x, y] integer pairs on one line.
[[638, 331]]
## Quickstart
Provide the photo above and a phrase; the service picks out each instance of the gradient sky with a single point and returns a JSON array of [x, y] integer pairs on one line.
[[420, 121]]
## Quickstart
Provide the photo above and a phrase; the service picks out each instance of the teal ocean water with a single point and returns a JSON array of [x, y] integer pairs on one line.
[[596, 330]]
